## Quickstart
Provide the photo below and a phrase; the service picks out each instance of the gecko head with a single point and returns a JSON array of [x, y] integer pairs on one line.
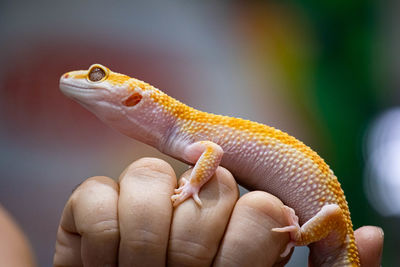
[[124, 103], [107, 94]]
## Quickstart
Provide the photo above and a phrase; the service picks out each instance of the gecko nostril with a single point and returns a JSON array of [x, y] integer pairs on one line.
[[66, 75]]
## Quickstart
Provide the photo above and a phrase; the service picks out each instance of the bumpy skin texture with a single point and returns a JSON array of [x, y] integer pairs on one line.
[[260, 157]]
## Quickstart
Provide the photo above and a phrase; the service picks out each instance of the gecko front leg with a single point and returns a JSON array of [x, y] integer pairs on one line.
[[206, 156]]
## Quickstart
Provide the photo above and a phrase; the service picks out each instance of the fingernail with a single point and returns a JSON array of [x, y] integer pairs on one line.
[[381, 231]]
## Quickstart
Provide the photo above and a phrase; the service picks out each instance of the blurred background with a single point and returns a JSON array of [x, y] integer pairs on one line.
[[324, 71]]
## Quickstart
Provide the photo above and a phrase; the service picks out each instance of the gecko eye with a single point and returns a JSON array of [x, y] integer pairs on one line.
[[96, 74]]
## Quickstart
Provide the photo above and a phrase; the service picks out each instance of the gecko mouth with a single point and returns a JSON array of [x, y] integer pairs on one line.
[[70, 87], [74, 91]]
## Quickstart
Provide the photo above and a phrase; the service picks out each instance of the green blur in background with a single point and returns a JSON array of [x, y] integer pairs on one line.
[[344, 77]]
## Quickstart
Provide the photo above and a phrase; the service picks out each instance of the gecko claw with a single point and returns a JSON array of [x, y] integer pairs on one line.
[[197, 199], [293, 229], [178, 190], [288, 248], [185, 191], [288, 229], [182, 182], [178, 199]]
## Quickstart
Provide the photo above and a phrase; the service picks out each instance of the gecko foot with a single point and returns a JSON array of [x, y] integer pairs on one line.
[[185, 191], [293, 229], [182, 183]]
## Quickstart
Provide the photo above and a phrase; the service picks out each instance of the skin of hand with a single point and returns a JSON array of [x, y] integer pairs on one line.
[[14, 246], [132, 223]]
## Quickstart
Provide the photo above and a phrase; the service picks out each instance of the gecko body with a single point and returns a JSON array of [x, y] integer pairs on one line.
[[260, 157]]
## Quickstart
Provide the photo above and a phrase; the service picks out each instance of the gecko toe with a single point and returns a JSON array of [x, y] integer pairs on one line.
[[197, 199]]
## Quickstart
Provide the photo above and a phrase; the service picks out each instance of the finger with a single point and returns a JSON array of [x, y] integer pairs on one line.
[[197, 231], [14, 246], [88, 233], [249, 240], [145, 212], [369, 240]]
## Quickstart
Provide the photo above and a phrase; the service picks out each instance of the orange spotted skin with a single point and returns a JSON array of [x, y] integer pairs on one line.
[[208, 153], [260, 157]]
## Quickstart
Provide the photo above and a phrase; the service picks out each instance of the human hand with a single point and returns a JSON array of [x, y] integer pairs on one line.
[[132, 223]]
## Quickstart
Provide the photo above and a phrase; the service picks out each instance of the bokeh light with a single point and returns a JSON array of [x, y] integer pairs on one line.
[[382, 174]]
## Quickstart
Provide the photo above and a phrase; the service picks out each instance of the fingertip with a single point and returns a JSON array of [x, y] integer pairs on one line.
[[221, 184], [369, 240], [197, 228], [93, 183], [99, 180], [266, 203], [254, 215], [226, 178], [272, 208], [145, 211], [89, 182], [88, 233], [223, 172], [15, 249], [149, 165], [94, 201]]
